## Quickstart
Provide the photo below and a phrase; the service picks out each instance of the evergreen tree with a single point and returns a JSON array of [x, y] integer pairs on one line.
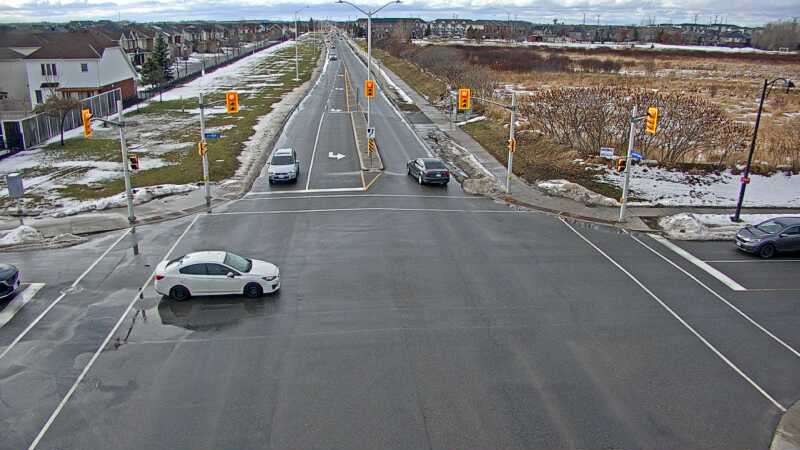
[[161, 57], [428, 30]]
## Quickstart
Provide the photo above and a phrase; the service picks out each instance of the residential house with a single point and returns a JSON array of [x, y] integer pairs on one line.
[[382, 28], [80, 64]]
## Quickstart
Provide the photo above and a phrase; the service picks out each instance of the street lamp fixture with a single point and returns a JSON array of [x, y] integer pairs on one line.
[[746, 174], [369, 13], [296, 57]]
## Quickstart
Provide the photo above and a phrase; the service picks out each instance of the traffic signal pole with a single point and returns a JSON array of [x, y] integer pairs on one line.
[[126, 173], [631, 136], [511, 138], [206, 184]]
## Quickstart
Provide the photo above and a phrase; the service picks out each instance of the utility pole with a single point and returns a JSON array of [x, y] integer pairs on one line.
[[296, 55]]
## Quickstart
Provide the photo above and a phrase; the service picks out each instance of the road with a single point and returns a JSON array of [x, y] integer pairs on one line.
[[410, 317]]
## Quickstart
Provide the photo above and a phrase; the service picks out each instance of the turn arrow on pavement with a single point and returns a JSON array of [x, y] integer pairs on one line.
[[336, 156]]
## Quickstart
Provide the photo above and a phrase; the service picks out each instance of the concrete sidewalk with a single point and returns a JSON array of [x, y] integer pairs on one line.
[[523, 194]]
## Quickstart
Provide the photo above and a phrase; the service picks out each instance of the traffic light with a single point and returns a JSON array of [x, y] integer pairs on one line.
[[621, 164], [652, 120], [232, 101], [86, 118], [134, 160], [512, 145], [201, 148], [369, 88], [464, 98]]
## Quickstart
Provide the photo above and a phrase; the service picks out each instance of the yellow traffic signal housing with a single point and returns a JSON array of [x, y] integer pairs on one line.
[[512, 145], [369, 88], [86, 118], [652, 120], [464, 98], [232, 101], [134, 159], [201, 148]]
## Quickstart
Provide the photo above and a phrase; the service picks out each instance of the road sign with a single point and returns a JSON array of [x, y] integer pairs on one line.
[[371, 133], [636, 155], [371, 145], [213, 135], [607, 152]]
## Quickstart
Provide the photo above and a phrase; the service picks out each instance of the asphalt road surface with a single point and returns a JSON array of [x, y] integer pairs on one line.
[[410, 317]]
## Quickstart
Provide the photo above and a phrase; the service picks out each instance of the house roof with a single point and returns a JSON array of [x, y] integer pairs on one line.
[[7, 53], [82, 44]]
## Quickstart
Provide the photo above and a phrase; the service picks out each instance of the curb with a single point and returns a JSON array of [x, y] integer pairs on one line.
[[787, 434]]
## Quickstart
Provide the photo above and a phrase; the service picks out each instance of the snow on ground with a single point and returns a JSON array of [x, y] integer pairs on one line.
[[224, 77], [142, 195], [23, 234], [568, 189], [474, 119], [707, 227], [400, 92], [661, 187]]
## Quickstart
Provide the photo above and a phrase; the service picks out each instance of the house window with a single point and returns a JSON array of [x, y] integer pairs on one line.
[[49, 70], [39, 98], [84, 67], [43, 70]]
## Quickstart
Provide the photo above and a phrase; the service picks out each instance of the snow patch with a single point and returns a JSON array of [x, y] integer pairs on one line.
[[142, 195], [574, 191], [707, 227], [401, 93], [473, 120], [23, 234]]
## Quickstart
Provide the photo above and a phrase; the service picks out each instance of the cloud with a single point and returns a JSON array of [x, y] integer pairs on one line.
[[744, 12]]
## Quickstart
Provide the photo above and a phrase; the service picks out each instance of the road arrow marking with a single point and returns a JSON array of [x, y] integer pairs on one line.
[[336, 156]]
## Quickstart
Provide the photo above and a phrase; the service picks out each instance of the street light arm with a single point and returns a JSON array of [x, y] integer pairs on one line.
[[393, 2], [304, 7], [354, 6]]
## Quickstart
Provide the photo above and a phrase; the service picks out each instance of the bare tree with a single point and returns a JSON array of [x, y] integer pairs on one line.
[[58, 107]]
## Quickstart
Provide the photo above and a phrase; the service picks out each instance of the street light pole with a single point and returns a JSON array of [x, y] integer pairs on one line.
[[746, 174], [296, 56], [369, 14], [511, 139]]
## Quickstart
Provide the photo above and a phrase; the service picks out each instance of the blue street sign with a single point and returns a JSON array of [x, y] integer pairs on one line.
[[636, 155], [213, 135]]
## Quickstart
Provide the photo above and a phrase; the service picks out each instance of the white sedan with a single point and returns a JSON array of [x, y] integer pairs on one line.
[[215, 273]]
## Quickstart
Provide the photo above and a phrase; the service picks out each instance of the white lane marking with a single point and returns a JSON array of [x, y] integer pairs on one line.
[[721, 298], [21, 299], [298, 211], [314, 152], [305, 191], [754, 260], [724, 279], [679, 319], [60, 297], [96, 354], [455, 197]]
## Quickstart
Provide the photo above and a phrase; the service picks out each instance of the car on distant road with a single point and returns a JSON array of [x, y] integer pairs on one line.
[[9, 281], [777, 235], [283, 166], [215, 273], [428, 170], [333, 57]]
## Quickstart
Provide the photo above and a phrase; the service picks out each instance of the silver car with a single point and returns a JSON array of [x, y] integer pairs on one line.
[[283, 166], [778, 235]]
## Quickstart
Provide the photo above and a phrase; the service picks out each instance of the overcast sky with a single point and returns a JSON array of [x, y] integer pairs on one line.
[[742, 12]]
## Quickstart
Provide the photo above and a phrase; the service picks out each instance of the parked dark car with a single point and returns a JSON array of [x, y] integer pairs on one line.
[[778, 235], [9, 281], [429, 170]]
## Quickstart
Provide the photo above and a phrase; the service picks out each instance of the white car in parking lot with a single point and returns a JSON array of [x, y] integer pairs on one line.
[[215, 273]]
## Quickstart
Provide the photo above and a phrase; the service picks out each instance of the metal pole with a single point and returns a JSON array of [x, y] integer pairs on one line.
[[19, 211], [296, 63], [205, 153], [125, 172], [746, 173], [369, 60], [628, 166], [511, 136]]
